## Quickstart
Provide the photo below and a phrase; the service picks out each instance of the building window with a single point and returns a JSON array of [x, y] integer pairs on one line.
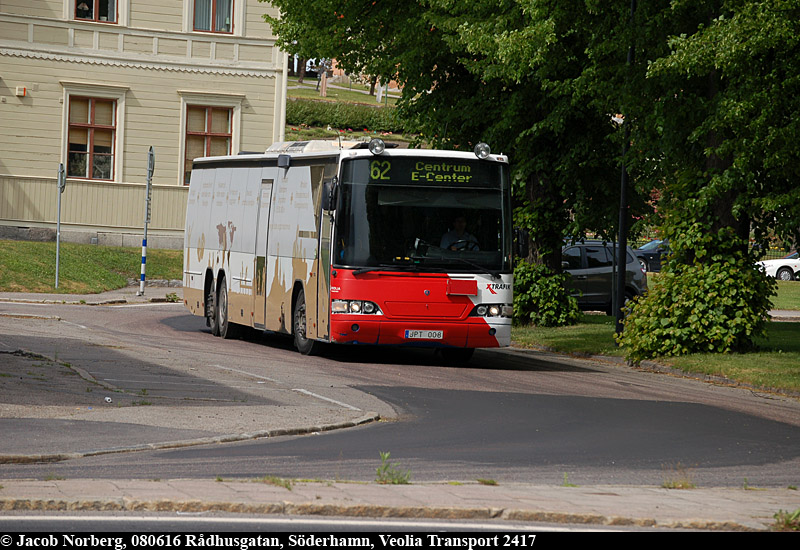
[[92, 134], [96, 10], [213, 15], [208, 134]]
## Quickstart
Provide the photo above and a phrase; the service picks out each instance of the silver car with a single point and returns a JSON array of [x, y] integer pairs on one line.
[[591, 267]]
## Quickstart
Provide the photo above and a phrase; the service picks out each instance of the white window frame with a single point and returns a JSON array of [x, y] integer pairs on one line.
[[209, 99], [239, 11], [99, 91], [123, 12]]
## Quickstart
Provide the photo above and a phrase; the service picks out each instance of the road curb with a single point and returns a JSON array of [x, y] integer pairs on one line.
[[372, 511]]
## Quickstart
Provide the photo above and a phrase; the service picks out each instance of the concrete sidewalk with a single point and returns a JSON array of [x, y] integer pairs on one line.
[[629, 507], [633, 508], [155, 291]]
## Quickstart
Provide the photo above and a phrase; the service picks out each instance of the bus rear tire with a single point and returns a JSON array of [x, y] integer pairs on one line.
[[226, 329], [304, 345]]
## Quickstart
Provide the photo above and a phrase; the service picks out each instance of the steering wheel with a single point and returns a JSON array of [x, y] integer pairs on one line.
[[464, 244]]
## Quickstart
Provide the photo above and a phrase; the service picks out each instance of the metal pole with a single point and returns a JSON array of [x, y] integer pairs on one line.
[[622, 251], [151, 166], [62, 181]]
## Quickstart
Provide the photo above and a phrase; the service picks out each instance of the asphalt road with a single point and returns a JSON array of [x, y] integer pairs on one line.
[[508, 416]]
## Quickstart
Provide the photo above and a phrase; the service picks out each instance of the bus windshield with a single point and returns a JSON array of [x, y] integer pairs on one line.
[[422, 213]]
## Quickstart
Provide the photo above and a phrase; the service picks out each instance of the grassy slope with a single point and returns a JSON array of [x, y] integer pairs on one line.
[[31, 267]]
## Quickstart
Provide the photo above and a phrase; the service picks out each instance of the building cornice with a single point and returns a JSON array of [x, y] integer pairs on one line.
[[267, 66], [87, 58]]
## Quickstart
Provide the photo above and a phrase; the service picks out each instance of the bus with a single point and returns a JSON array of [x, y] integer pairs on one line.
[[335, 242]]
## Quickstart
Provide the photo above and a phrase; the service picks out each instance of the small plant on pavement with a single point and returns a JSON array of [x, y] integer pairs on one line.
[[787, 521], [277, 481], [680, 477], [483, 481], [387, 473], [566, 482]]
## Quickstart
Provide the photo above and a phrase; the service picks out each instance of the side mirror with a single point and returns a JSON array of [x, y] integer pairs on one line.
[[521, 243], [330, 191]]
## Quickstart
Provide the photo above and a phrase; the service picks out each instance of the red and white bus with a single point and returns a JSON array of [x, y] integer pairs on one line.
[[345, 243]]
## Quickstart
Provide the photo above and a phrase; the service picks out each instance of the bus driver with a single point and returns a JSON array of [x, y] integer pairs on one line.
[[458, 238]]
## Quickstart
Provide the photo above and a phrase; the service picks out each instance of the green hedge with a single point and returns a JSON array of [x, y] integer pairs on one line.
[[342, 116], [541, 297], [714, 307]]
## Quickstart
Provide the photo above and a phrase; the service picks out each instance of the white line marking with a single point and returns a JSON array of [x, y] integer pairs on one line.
[[345, 405], [299, 390], [247, 373]]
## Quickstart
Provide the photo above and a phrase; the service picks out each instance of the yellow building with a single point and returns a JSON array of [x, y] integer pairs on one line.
[[93, 84]]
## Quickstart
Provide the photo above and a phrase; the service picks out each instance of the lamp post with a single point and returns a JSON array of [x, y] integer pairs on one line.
[[622, 245]]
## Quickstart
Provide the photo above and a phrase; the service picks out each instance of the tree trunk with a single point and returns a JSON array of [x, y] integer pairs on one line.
[[301, 71], [546, 238], [723, 206]]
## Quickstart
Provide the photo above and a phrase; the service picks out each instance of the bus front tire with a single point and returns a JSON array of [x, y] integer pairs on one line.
[[304, 345]]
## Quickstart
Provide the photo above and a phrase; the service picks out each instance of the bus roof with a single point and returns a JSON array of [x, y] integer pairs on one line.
[[348, 149]]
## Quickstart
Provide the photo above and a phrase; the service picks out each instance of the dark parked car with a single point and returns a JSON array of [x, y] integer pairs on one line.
[[591, 266], [651, 255]]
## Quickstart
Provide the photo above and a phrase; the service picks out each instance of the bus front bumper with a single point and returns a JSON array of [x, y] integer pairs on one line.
[[474, 333]]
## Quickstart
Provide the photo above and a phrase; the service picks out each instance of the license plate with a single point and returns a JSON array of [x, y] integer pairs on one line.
[[424, 334]]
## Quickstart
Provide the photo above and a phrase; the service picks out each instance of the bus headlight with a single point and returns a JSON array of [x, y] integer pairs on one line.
[[376, 146], [355, 306], [482, 151], [492, 310]]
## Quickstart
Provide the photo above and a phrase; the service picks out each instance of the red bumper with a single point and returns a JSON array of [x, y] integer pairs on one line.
[[363, 329]]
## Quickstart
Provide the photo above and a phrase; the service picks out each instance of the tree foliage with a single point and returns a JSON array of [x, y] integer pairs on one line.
[[467, 77], [721, 115], [713, 307], [710, 96], [540, 298]]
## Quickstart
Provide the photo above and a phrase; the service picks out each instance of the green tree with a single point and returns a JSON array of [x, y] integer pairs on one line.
[[724, 119], [710, 99], [465, 80]]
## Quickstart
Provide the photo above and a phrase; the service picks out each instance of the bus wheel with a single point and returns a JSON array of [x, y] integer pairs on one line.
[[456, 356], [211, 311], [226, 328], [304, 345]]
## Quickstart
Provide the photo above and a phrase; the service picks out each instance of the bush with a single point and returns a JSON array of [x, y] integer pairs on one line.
[[715, 307], [342, 115], [541, 298]]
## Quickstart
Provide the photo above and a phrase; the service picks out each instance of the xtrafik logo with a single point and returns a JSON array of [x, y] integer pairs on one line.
[[494, 287]]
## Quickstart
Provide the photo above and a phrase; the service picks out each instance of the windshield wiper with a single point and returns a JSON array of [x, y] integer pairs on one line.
[[482, 269]]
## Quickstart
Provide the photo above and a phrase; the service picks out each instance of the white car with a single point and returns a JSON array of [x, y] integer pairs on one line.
[[785, 269]]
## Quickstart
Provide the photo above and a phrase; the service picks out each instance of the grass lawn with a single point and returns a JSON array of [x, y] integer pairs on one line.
[[788, 295], [775, 365], [84, 269], [355, 93]]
